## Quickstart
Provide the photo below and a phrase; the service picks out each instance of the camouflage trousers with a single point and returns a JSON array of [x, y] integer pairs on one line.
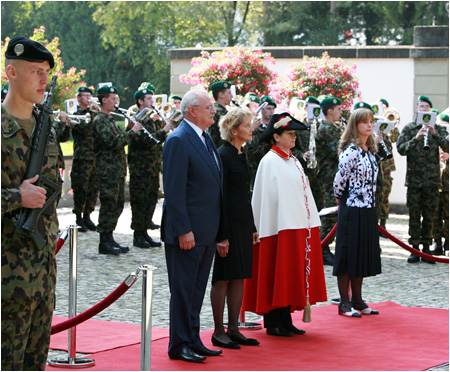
[[440, 220], [112, 199], [26, 327], [316, 188], [330, 220], [84, 186], [143, 199], [422, 204], [382, 197]]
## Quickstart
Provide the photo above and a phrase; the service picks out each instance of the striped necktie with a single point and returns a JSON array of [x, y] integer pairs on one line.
[[209, 146]]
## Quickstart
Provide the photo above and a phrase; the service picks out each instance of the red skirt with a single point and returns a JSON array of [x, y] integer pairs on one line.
[[278, 273]]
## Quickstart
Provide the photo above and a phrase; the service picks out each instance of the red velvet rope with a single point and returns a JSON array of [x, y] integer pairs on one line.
[[330, 236], [59, 244], [94, 310], [411, 249]]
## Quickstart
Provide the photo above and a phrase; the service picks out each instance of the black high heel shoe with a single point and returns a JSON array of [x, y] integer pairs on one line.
[[352, 313], [364, 309], [227, 345]]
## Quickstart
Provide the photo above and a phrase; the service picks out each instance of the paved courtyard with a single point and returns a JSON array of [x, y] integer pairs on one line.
[[420, 285]]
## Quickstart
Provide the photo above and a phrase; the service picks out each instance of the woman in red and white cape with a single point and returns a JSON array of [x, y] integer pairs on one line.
[[287, 272]]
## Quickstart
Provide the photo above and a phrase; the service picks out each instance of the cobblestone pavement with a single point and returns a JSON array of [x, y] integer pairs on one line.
[[420, 285]]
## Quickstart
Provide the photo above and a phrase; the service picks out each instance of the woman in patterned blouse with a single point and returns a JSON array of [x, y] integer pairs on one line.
[[357, 240]]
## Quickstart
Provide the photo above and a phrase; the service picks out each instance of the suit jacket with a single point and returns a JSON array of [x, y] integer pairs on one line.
[[192, 189]]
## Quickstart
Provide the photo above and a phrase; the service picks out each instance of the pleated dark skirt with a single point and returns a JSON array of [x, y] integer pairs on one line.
[[237, 264], [357, 242]]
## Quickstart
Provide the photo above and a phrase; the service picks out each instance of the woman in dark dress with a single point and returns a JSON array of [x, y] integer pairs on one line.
[[357, 240], [233, 265]]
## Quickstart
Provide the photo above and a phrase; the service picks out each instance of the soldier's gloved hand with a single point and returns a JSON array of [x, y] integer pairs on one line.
[[32, 196]]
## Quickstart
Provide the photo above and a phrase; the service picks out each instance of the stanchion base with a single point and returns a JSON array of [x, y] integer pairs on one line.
[[249, 325], [72, 362]]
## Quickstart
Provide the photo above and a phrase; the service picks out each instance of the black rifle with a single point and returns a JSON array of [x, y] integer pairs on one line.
[[29, 217]]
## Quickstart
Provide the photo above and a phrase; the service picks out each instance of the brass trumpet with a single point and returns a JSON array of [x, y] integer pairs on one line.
[[74, 119], [124, 112], [392, 115]]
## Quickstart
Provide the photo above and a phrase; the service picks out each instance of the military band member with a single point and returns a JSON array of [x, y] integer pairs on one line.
[[83, 176], [221, 91], [251, 100], [327, 145], [387, 166], [144, 164], [28, 273], [257, 149], [110, 166], [422, 176], [176, 101]]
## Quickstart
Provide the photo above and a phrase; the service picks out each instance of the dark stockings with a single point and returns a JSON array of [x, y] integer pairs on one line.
[[356, 295]]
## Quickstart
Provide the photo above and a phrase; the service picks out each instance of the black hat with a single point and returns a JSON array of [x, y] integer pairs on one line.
[[278, 124], [29, 50]]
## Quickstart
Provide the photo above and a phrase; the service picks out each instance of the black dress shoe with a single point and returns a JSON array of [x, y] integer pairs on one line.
[[277, 331], [295, 330], [241, 341], [188, 355], [154, 226], [230, 345], [207, 352]]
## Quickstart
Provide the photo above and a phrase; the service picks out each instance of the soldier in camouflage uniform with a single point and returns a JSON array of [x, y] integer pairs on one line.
[[222, 95], [83, 177], [441, 220], [28, 273], [327, 145], [422, 177], [257, 149], [251, 101], [144, 163], [111, 168], [301, 151], [387, 166]]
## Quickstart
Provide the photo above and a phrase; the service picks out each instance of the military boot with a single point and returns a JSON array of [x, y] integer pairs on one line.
[[413, 258], [88, 222], [123, 248], [149, 239], [328, 257], [437, 251], [139, 240], [426, 249], [80, 222], [154, 226], [105, 246]]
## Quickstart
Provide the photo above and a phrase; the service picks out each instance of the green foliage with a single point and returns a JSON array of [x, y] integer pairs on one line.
[[67, 83], [242, 67]]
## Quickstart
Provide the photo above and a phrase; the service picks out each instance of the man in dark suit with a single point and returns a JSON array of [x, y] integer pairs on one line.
[[192, 176]]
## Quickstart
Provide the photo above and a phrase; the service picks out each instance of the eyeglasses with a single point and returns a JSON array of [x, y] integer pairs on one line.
[[208, 108]]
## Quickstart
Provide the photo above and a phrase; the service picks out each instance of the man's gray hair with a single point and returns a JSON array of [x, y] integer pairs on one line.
[[191, 98]]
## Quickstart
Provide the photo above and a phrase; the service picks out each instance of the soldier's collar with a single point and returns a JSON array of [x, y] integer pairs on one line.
[[9, 125]]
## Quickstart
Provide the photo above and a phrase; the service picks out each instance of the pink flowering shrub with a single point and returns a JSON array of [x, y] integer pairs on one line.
[[321, 76], [244, 68], [67, 83]]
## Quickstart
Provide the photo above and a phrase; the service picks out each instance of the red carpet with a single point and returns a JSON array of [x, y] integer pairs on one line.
[[400, 338]]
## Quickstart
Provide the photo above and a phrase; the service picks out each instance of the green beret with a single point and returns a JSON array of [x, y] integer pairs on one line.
[[220, 85], [5, 88], [330, 101], [365, 105], [251, 97], [425, 99], [107, 90], [444, 117], [149, 86], [321, 97], [269, 101], [29, 50], [84, 90], [382, 100], [174, 96], [436, 111], [278, 124], [312, 99], [141, 93]]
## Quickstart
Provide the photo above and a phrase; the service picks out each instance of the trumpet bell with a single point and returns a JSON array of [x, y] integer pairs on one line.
[[392, 115]]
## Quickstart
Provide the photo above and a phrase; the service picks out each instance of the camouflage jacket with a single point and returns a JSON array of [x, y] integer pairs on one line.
[[327, 145], [255, 150], [444, 178], [214, 130], [109, 143], [144, 155], [27, 272], [388, 165], [422, 166], [83, 137]]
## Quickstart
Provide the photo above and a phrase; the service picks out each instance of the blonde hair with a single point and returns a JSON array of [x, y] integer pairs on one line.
[[351, 135], [231, 121]]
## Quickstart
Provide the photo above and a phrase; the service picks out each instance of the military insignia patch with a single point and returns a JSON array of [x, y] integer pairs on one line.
[[19, 49]]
